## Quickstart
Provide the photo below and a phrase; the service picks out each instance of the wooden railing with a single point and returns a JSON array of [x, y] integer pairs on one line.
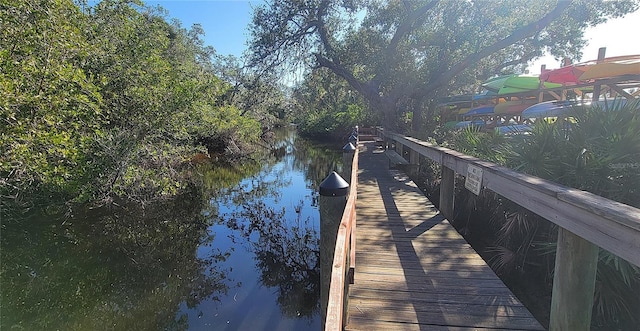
[[586, 222], [344, 257]]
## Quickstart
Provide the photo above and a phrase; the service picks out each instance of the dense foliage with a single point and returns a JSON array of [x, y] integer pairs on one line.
[[599, 153], [325, 105], [400, 55], [109, 100]]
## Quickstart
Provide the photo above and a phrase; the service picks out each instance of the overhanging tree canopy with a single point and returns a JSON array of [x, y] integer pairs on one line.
[[399, 54]]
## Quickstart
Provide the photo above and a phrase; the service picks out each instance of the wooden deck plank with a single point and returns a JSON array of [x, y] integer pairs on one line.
[[414, 271]]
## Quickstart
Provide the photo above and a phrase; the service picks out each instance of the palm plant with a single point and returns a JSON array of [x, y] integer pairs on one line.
[[597, 151], [487, 145]]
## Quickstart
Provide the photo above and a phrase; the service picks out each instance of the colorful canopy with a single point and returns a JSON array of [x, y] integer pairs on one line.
[[563, 75], [627, 66], [560, 108]]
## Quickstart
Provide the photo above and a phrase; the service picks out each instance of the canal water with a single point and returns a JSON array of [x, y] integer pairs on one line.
[[243, 256]]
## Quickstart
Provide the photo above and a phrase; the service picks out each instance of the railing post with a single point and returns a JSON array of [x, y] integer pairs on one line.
[[332, 201], [573, 282], [447, 192], [347, 161], [399, 148], [414, 161]]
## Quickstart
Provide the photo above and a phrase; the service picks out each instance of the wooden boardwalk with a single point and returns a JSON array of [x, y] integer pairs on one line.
[[413, 270]]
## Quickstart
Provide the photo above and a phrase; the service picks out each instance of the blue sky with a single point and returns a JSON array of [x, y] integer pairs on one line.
[[225, 22]]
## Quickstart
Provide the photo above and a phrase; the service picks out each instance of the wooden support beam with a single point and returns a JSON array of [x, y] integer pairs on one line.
[[578, 92], [621, 91], [414, 162], [573, 283], [414, 157], [555, 95], [596, 87], [447, 192]]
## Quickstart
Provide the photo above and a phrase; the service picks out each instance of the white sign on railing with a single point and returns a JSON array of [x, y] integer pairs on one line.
[[473, 182]]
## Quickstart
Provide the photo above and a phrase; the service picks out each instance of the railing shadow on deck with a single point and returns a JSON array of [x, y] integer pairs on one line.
[[417, 277], [410, 257], [423, 289]]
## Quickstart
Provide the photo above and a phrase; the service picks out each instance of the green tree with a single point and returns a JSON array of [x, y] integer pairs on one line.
[[107, 101], [325, 105], [400, 54], [50, 106], [259, 96]]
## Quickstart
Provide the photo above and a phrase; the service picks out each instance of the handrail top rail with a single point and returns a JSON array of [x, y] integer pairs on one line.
[[593, 209], [611, 209], [336, 303]]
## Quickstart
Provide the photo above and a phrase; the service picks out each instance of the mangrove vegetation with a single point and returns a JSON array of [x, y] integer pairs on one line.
[[115, 101]]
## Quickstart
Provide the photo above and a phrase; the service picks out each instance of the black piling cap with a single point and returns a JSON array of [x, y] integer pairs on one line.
[[349, 148], [334, 186]]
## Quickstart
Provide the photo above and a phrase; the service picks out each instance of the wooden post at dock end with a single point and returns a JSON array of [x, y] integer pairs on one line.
[[447, 192], [573, 283], [596, 87], [333, 198]]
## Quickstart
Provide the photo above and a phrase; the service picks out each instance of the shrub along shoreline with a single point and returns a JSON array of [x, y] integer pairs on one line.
[[107, 102]]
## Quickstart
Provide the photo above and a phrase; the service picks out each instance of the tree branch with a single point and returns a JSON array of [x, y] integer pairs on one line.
[[347, 75], [519, 34], [405, 27], [324, 34]]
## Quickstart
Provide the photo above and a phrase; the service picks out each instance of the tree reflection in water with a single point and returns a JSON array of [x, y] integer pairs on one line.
[[161, 266], [286, 254], [126, 268], [274, 215]]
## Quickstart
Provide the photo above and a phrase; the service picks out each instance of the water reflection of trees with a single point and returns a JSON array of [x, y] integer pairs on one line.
[[285, 244], [316, 159], [286, 252], [130, 269]]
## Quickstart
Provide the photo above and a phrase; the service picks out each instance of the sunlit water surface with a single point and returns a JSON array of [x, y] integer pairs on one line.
[[243, 257]]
